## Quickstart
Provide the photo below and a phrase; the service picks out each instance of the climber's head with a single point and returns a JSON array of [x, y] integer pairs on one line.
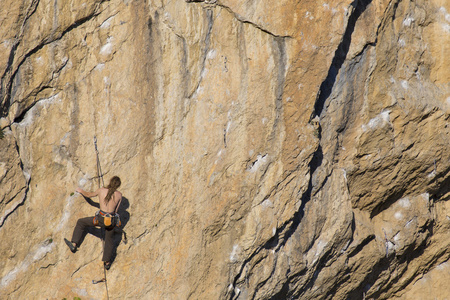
[[113, 185]]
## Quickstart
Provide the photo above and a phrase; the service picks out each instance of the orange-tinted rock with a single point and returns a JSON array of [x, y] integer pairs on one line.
[[267, 149]]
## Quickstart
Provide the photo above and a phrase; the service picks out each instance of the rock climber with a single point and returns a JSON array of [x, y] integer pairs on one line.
[[109, 200]]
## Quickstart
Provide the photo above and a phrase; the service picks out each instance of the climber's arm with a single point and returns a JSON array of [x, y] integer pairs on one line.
[[87, 194]]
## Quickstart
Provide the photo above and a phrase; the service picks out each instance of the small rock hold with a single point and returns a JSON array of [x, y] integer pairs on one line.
[[206, 1]]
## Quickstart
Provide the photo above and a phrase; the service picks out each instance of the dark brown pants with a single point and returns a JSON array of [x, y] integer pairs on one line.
[[80, 228]]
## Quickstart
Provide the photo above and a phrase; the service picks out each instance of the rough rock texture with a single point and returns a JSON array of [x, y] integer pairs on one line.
[[267, 149]]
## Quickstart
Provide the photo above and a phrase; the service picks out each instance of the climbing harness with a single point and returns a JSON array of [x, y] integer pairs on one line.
[[107, 219]]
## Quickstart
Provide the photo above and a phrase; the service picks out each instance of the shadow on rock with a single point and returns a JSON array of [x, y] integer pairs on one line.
[[119, 232]]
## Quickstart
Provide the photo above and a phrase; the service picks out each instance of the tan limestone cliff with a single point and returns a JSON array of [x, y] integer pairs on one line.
[[267, 149]]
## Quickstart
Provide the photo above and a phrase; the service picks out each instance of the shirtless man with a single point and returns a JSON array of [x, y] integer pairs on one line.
[[109, 200]]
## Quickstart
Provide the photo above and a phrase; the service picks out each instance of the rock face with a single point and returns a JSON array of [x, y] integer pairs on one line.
[[267, 149]]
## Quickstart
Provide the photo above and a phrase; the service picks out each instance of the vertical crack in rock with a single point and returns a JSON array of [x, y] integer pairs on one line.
[[325, 91], [280, 55], [5, 97], [286, 230], [25, 172], [347, 64], [339, 57]]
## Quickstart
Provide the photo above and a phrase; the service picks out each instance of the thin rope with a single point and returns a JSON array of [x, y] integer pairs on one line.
[[104, 267], [100, 175], [99, 167]]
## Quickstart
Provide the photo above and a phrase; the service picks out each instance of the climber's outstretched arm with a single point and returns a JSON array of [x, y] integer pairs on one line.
[[87, 194]]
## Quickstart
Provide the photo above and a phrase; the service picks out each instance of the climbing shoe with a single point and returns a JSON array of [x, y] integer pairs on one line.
[[107, 265], [71, 246]]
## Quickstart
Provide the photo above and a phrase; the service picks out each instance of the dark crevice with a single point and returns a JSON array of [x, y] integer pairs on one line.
[[387, 264], [47, 266], [5, 99], [233, 294], [243, 21], [341, 281], [27, 187], [10, 59], [396, 3], [289, 227], [286, 293], [318, 267], [262, 29], [283, 294], [339, 57], [285, 232], [3, 220], [4, 107], [22, 115], [364, 243], [59, 69], [440, 185], [32, 8], [315, 163], [395, 194]]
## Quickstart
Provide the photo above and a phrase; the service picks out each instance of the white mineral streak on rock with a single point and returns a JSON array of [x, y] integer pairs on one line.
[[407, 21], [31, 258], [195, 104], [107, 48], [405, 202], [234, 253], [66, 213], [377, 121], [260, 160]]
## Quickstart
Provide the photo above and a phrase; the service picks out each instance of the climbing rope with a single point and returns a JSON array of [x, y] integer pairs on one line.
[[99, 167], [104, 271], [100, 177]]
